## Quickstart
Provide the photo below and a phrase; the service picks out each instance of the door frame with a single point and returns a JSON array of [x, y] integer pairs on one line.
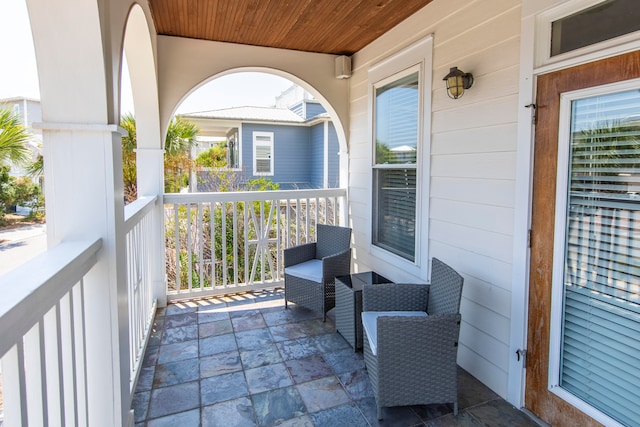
[[530, 69], [538, 398]]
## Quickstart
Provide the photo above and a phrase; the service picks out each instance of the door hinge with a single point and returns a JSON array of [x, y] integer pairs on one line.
[[522, 354], [529, 238], [533, 112]]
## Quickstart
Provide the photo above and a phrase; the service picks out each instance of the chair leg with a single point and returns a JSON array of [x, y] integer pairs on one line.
[[455, 408], [379, 412], [286, 306]]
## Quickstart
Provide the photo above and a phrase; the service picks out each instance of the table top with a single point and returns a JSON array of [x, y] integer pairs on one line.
[[356, 281]]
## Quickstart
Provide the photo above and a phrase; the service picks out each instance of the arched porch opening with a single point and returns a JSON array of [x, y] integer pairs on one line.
[[298, 104]]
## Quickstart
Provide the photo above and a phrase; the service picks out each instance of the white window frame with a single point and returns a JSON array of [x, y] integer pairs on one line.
[[256, 135], [557, 294], [544, 62], [238, 140], [418, 56]]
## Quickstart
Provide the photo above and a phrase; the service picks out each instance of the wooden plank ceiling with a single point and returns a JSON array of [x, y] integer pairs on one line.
[[340, 27]]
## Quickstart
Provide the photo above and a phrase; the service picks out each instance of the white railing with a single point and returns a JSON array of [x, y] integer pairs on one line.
[[142, 305], [43, 345], [255, 226]]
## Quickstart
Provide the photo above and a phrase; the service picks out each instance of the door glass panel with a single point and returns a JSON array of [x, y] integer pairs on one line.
[[600, 354]]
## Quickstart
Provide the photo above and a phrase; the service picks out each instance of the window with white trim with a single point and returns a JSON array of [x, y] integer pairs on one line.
[[397, 109], [400, 131], [263, 153]]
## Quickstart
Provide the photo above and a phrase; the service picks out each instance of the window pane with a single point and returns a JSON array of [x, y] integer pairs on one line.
[[602, 22], [395, 216], [396, 121], [601, 320]]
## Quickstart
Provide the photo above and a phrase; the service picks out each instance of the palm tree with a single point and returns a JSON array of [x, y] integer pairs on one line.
[[181, 136], [13, 137]]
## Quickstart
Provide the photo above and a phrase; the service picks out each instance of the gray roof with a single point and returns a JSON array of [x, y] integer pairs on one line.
[[267, 114]]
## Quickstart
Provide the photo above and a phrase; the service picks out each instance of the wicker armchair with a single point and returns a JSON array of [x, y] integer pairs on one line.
[[411, 339], [310, 269]]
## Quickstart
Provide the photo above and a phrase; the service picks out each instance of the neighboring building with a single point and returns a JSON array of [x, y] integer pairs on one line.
[[294, 144]]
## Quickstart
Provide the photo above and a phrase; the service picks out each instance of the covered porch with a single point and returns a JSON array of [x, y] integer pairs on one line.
[[244, 360], [98, 324]]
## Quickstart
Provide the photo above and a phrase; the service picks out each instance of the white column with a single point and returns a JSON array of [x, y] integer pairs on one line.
[[325, 171], [85, 198]]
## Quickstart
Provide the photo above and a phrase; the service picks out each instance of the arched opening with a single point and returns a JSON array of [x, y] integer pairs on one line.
[[139, 114], [264, 124]]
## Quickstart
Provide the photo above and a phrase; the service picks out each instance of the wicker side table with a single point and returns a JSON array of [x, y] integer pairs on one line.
[[349, 304]]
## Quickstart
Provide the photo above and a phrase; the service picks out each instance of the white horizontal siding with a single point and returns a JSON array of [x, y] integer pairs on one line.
[[472, 166], [484, 217], [489, 192]]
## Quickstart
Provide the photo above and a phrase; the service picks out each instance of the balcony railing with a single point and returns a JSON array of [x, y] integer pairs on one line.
[[44, 345], [249, 231], [142, 305], [55, 318]]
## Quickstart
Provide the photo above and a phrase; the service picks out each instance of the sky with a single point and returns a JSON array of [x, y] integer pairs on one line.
[[19, 76]]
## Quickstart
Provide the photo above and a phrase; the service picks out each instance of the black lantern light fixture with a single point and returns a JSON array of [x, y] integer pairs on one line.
[[457, 82]]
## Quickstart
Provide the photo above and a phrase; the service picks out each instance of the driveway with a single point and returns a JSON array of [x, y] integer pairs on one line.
[[19, 245]]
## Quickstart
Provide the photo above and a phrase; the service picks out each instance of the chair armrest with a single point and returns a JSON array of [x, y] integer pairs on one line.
[[417, 343], [395, 297], [336, 265], [301, 253]]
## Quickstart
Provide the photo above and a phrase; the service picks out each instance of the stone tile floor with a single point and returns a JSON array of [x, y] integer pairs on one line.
[[243, 360]]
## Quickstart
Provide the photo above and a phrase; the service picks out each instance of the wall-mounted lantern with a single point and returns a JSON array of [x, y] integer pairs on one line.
[[457, 82]]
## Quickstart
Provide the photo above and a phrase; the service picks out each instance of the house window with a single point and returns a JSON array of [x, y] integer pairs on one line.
[[233, 151], [263, 153], [400, 126], [396, 123]]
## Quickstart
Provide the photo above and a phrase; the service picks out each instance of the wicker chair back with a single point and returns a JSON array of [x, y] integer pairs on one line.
[[331, 240], [445, 290]]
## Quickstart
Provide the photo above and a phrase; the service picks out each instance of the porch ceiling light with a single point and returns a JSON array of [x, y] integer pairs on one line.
[[457, 82]]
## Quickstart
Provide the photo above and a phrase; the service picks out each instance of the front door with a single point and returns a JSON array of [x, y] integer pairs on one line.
[[584, 312]]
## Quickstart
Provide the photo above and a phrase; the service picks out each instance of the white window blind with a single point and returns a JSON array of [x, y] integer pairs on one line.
[[600, 354], [396, 132]]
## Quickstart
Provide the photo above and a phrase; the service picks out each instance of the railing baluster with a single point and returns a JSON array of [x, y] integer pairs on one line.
[[83, 409], [176, 240], [261, 240], [246, 240], [200, 247], [278, 240], [212, 221], [189, 249], [224, 244], [235, 243], [297, 221], [307, 235], [60, 367], [43, 373], [288, 229]]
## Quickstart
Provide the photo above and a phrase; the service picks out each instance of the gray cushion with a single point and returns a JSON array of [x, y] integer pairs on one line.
[[370, 323], [308, 270]]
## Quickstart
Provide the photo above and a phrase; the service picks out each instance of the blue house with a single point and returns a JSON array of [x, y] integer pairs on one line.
[[294, 143]]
